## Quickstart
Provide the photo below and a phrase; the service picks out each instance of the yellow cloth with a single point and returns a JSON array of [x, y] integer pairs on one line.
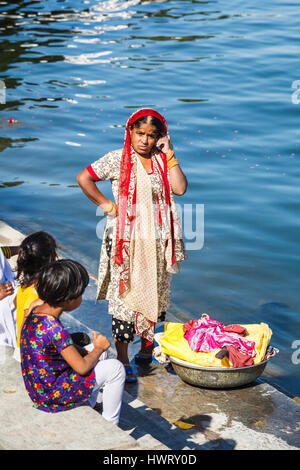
[[174, 344], [24, 298]]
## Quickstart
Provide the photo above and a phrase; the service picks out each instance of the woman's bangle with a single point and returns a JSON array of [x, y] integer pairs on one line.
[[112, 208], [6, 251], [172, 163], [171, 154]]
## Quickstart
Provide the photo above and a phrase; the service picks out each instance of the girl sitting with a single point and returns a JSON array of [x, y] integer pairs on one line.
[[36, 250], [56, 376]]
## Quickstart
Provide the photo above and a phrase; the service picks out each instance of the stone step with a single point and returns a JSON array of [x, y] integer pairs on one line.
[[24, 427], [142, 421]]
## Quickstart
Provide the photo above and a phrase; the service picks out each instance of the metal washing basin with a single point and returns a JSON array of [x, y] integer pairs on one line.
[[213, 377]]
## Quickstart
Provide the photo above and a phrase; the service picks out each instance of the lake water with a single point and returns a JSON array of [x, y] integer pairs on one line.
[[226, 76]]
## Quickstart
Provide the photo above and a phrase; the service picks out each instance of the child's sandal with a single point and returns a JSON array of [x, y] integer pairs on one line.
[[130, 375]]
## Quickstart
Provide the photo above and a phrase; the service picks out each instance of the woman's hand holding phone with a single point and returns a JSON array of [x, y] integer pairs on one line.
[[164, 143]]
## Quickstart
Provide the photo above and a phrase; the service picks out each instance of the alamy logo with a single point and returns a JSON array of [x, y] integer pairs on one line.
[[296, 94], [2, 92], [191, 217], [296, 353]]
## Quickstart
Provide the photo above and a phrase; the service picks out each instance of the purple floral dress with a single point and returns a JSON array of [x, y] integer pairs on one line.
[[50, 382]]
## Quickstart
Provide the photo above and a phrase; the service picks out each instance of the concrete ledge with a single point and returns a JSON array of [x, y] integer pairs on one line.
[[24, 427], [9, 235]]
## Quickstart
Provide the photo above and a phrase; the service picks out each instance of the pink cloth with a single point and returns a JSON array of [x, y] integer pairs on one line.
[[207, 335]]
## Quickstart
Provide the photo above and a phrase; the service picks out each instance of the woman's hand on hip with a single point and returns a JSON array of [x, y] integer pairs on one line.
[[109, 208]]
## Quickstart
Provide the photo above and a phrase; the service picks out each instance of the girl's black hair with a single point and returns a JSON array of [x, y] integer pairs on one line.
[[61, 281], [36, 250], [152, 120]]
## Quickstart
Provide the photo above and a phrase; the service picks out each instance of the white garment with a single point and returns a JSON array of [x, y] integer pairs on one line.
[[17, 354], [110, 376], [8, 313], [143, 256]]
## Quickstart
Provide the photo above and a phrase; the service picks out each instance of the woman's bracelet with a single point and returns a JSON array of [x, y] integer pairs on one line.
[[171, 154], [112, 209], [172, 163], [6, 251]]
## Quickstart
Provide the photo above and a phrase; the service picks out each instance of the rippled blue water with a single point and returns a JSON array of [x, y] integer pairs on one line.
[[222, 73]]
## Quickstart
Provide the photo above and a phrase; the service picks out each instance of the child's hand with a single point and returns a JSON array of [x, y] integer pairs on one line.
[[33, 304], [100, 341]]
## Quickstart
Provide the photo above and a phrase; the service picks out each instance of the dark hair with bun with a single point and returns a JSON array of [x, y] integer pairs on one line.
[[36, 250]]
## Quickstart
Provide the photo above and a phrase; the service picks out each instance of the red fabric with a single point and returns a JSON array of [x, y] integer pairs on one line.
[[237, 358], [188, 326], [92, 173], [164, 176], [158, 213], [235, 329], [125, 213]]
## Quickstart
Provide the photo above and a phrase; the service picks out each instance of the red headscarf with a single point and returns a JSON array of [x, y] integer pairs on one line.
[[125, 213]]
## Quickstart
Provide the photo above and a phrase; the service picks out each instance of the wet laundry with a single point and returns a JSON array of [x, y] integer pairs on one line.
[[173, 343], [207, 334], [235, 329], [236, 358]]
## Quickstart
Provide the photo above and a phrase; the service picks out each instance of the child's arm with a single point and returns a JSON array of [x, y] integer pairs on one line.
[[28, 311], [83, 365], [82, 351]]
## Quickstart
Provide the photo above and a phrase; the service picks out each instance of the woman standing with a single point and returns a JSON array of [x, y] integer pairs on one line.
[[143, 243]]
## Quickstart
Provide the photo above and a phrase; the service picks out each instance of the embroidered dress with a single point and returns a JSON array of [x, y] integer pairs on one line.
[[50, 382], [108, 167], [135, 272]]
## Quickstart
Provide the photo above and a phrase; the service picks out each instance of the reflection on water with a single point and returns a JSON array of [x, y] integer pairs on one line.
[[74, 70], [14, 143], [10, 184]]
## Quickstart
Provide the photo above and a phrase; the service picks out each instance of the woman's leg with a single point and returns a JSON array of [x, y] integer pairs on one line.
[[122, 351], [110, 375], [146, 348], [123, 333]]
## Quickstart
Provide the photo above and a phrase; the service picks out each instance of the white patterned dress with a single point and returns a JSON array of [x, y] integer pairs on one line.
[[108, 167]]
